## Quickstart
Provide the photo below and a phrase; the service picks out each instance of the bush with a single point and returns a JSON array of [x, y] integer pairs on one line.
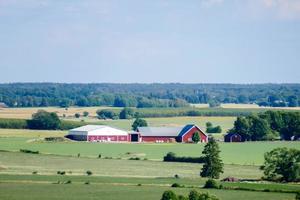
[[108, 114], [134, 158], [298, 196], [29, 151], [68, 182], [85, 113], [61, 172], [34, 172], [87, 182], [176, 185], [77, 115], [89, 173], [211, 183], [169, 195]]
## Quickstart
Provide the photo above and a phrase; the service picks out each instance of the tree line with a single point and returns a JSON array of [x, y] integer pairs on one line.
[[269, 125], [147, 95]]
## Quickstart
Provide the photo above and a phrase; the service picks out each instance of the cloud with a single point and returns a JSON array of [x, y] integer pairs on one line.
[[285, 9], [209, 3]]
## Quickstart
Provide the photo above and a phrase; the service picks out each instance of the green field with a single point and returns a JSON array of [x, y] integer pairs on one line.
[[249, 153], [114, 179], [45, 191]]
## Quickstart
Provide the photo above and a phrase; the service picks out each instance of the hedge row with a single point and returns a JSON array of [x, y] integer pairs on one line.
[[24, 124], [171, 157]]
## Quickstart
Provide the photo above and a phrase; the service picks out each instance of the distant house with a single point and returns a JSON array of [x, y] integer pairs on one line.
[[95, 133], [169, 134], [233, 137]]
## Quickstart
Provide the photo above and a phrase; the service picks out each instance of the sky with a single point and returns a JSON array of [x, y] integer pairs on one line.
[[147, 41]]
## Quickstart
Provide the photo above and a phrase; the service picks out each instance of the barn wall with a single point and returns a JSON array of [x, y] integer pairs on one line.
[[188, 136], [157, 139], [109, 138]]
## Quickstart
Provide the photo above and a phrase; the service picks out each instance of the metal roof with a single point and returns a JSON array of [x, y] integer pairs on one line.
[[96, 130], [160, 131], [88, 128]]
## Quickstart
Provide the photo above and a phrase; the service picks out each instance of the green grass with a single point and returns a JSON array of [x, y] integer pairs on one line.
[[78, 190], [249, 153], [22, 163]]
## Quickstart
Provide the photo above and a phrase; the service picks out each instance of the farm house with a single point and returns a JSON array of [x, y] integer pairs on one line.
[[96, 133], [169, 134], [233, 137]]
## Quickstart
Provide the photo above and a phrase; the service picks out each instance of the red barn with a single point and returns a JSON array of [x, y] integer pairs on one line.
[[170, 134]]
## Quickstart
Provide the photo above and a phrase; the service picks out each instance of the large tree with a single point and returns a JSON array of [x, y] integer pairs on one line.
[[44, 120], [282, 164], [213, 165], [138, 122]]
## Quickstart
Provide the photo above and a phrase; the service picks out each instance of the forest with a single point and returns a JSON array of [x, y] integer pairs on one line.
[[147, 95]]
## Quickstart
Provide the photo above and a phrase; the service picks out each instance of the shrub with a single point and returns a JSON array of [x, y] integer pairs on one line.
[[29, 151], [175, 185], [68, 182], [77, 115], [176, 176], [85, 113], [211, 183], [44, 120], [13, 123], [89, 173], [34, 172], [134, 158], [139, 184], [87, 182], [61, 172], [169, 195]]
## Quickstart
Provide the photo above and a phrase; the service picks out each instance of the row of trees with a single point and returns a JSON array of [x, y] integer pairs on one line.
[[268, 126], [146, 95]]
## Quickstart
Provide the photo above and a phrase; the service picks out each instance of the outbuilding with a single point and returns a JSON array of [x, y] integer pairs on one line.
[[233, 137], [97, 133], [182, 134]]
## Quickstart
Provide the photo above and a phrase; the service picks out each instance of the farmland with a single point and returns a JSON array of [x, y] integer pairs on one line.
[[114, 175]]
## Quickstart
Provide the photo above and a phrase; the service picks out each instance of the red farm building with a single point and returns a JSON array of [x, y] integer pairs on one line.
[[168, 134], [94, 133], [233, 137]]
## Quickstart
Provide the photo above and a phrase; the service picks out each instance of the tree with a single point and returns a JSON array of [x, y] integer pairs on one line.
[[169, 195], [282, 164], [77, 115], [86, 113], [213, 165], [126, 113], [44, 120], [138, 122], [107, 114], [260, 129], [196, 137]]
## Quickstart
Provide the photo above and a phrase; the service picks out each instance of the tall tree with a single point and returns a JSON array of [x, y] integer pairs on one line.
[[213, 165]]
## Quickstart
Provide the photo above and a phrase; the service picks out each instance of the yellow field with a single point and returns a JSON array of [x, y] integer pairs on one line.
[[26, 113], [26, 133]]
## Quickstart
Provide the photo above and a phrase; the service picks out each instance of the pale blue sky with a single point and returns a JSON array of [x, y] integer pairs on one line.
[[194, 41]]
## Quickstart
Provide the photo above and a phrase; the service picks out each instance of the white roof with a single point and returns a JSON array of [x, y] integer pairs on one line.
[[160, 131], [96, 130]]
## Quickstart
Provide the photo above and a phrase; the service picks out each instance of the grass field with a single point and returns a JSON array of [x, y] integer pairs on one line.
[[113, 179], [250, 153], [45, 191]]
